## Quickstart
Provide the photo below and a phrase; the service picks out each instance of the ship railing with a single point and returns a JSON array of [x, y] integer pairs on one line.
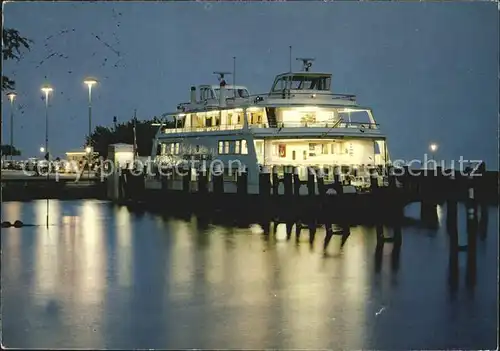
[[289, 94], [203, 129], [329, 124]]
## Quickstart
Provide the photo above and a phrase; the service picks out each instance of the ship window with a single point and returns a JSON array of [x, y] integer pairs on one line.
[[311, 82], [324, 149], [226, 147], [259, 147], [231, 93], [176, 148], [278, 86], [197, 148], [221, 147], [293, 155], [244, 148], [304, 155], [242, 93], [237, 147], [275, 150], [312, 149]]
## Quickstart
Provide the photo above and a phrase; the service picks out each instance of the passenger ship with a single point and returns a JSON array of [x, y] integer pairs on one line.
[[299, 123]]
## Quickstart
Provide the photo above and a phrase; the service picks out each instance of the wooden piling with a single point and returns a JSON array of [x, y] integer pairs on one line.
[[186, 179], [265, 182], [483, 221], [471, 203], [472, 227], [391, 177], [311, 184], [296, 181], [451, 204], [336, 174], [320, 180], [288, 181], [242, 182], [373, 180], [218, 180], [337, 185], [275, 180], [428, 205], [202, 180]]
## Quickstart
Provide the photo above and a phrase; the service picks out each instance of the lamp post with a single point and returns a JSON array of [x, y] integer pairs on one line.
[[47, 89], [433, 147], [89, 82], [12, 96]]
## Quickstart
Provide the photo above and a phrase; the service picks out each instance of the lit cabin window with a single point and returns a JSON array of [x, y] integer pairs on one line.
[[259, 147], [324, 149], [177, 148], [163, 149], [221, 147], [226, 147], [237, 147], [172, 148], [244, 148]]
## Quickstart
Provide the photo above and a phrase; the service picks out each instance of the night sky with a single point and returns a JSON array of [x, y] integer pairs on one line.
[[429, 70]]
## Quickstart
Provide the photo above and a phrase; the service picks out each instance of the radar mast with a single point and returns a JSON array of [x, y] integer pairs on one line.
[[306, 63]]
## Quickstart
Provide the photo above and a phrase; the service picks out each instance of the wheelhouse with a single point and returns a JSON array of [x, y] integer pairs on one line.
[[303, 81]]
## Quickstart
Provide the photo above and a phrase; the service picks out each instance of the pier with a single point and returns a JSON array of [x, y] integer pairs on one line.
[[292, 199]]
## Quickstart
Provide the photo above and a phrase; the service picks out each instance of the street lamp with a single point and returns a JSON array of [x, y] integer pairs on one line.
[[47, 89], [42, 149], [12, 96], [433, 147], [89, 82]]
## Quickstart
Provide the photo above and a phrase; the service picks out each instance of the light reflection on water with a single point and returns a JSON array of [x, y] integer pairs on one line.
[[102, 276]]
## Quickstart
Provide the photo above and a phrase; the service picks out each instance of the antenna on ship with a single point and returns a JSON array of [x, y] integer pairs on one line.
[[234, 76], [306, 63], [222, 84], [290, 59]]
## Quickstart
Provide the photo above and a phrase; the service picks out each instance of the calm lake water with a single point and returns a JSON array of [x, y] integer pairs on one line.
[[102, 276]]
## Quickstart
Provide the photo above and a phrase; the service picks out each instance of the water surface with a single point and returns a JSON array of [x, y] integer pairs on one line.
[[102, 276]]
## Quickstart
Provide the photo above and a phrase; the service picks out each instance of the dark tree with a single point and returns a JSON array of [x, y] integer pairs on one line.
[[12, 45], [7, 150], [102, 137]]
